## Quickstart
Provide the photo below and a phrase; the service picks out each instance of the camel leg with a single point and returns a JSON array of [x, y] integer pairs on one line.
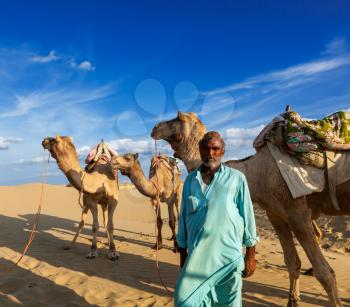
[[156, 205], [95, 226], [177, 202], [318, 234], [81, 225], [291, 257], [172, 222], [105, 220], [113, 254], [303, 230]]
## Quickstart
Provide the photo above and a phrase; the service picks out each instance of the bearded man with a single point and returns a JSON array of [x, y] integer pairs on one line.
[[216, 220]]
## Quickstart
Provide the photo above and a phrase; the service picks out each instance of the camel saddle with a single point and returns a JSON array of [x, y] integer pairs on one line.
[[169, 162], [323, 144], [99, 151]]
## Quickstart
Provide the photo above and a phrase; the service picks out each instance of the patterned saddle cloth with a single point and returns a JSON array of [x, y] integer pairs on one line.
[[331, 132], [308, 140], [324, 144]]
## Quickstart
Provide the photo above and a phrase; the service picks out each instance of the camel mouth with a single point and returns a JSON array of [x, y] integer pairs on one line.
[[154, 134], [46, 143]]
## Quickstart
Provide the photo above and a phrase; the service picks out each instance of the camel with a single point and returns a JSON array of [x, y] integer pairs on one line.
[[164, 184], [269, 190], [98, 187]]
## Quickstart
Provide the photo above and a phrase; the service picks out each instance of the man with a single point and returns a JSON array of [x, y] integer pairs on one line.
[[216, 219]]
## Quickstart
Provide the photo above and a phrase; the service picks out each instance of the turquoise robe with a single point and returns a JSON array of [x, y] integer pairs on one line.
[[213, 226]]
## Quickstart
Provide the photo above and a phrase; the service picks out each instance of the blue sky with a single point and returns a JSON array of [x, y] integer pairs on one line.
[[103, 69]]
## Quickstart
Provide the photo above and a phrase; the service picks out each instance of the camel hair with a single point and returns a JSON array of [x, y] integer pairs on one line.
[[268, 189], [98, 187], [164, 185]]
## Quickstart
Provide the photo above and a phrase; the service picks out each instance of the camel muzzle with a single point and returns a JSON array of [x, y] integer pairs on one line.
[[45, 143]]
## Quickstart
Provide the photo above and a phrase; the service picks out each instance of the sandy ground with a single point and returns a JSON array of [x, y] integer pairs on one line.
[[51, 276]]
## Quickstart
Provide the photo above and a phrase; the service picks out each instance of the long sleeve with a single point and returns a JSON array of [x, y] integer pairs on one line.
[[246, 211], [181, 233]]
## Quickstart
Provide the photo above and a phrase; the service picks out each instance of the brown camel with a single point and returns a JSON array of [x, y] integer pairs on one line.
[[269, 190], [164, 184], [99, 186]]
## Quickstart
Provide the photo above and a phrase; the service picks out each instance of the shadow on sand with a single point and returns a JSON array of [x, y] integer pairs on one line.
[[135, 271], [23, 288]]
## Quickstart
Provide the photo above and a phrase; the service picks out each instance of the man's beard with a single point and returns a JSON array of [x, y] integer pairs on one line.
[[211, 163]]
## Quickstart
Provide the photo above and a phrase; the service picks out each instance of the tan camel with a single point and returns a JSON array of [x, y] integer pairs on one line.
[[164, 184], [99, 186], [269, 190]]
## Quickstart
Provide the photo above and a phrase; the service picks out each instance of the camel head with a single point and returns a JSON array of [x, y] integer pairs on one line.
[[59, 146], [185, 128], [177, 128], [125, 162]]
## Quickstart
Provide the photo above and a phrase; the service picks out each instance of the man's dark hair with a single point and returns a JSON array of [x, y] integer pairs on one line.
[[212, 135]]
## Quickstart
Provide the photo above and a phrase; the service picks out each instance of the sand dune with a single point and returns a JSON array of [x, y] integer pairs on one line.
[[50, 276]]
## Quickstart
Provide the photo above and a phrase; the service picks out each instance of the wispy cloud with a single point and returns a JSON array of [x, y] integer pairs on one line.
[[46, 58], [304, 86], [336, 47], [287, 75], [6, 141], [56, 98]]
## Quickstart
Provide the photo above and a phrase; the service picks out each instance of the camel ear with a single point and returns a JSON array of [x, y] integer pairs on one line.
[[181, 115], [70, 139], [136, 156]]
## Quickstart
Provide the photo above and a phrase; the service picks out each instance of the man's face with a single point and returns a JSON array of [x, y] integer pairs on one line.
[[211, 153]]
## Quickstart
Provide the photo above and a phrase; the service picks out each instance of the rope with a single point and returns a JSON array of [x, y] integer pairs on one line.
[[81, 191], [36, 222]]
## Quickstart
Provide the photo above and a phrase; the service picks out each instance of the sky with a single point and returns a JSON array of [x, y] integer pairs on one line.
[[111, 70]]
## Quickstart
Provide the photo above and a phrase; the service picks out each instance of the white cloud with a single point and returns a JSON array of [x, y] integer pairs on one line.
[[85, 65], [140, 146], [45, 59], [6, 141], [83, 150], [32, 160], [239, 141], [243, 132]]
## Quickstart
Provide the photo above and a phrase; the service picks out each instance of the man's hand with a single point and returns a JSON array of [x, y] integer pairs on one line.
[[250, 262]]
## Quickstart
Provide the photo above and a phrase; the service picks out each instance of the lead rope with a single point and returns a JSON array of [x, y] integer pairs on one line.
[[81, 190], [155, 224], [36, 222]]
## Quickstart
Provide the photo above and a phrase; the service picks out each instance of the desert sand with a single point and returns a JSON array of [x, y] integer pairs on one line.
[[51, 276]]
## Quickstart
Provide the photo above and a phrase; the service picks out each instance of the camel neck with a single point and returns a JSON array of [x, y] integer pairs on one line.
[[144, 186]]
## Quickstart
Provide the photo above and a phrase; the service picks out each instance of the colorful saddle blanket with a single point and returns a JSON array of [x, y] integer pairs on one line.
[[331, 132]]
